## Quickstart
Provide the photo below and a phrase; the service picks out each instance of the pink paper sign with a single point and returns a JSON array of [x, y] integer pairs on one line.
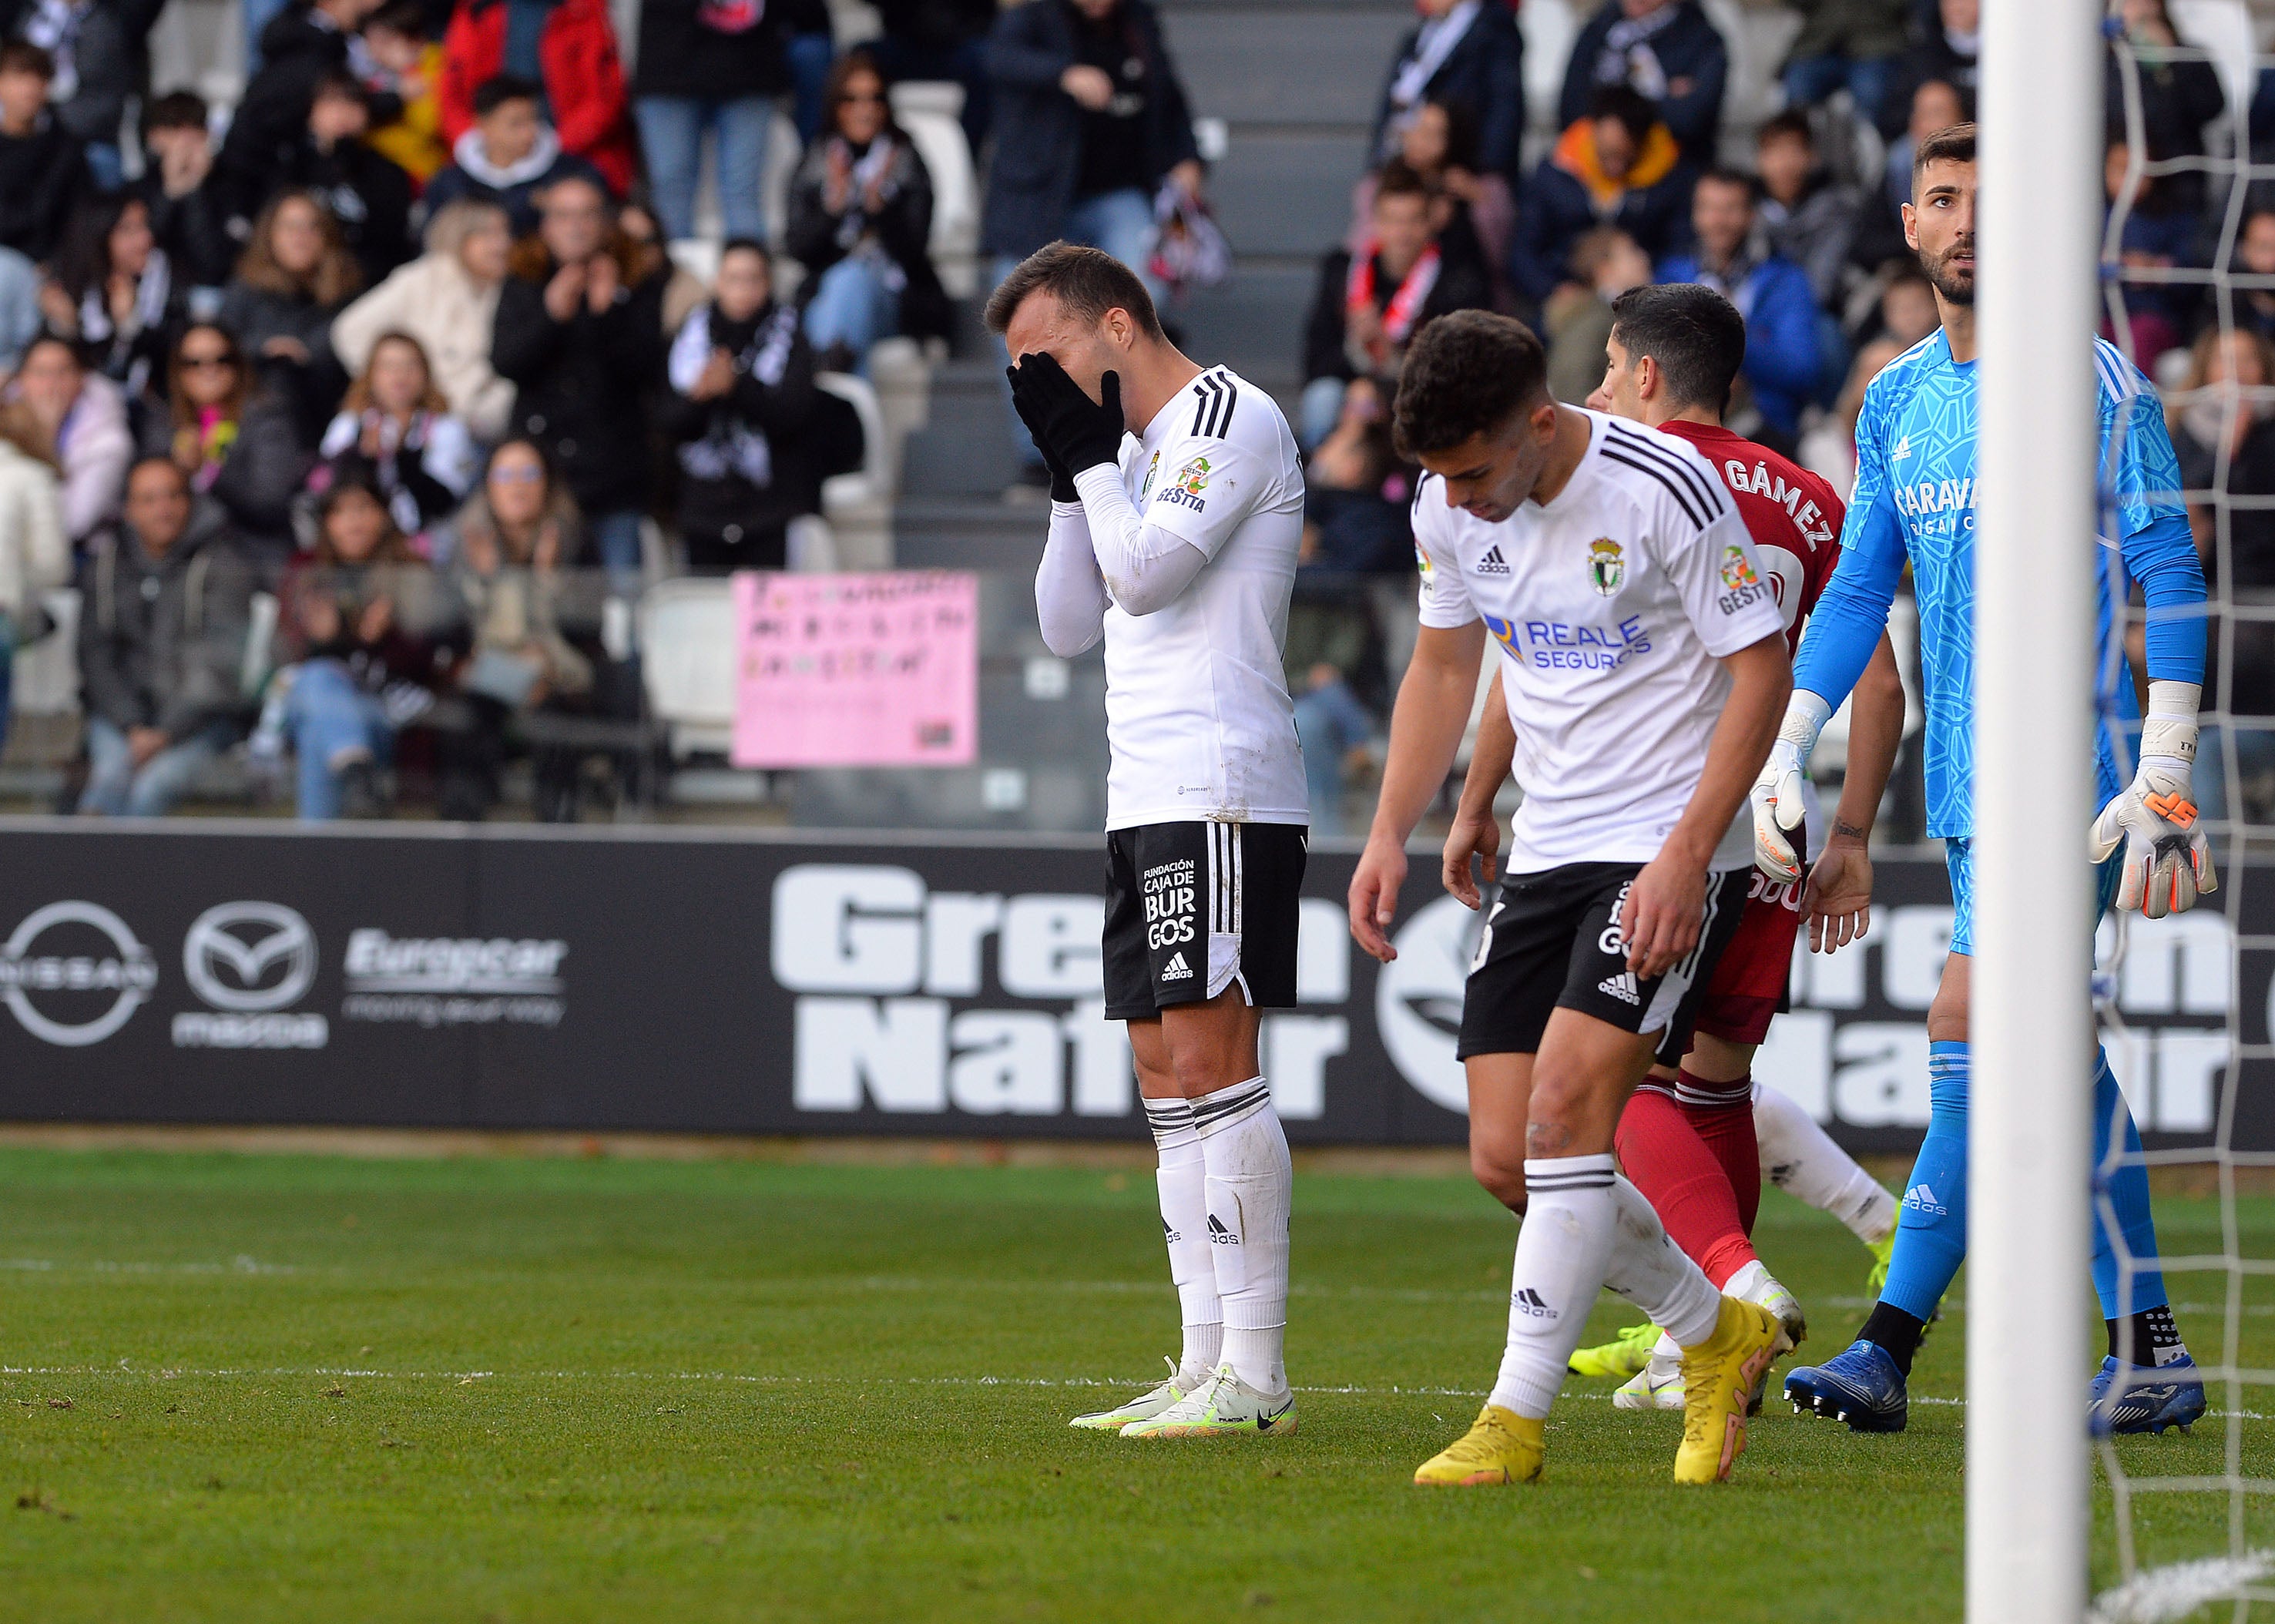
[[856, 670]]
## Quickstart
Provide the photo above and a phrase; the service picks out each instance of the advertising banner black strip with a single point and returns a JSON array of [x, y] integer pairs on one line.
[[764, 982]]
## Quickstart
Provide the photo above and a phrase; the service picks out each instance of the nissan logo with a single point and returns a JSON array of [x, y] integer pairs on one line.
[[128, 973], [249, 957]]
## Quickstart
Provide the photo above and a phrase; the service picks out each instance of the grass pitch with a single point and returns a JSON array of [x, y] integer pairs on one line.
[[255, 1387]]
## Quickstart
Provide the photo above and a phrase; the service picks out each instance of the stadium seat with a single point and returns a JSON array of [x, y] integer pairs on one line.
[[1549, 27], [2223, 27], [687, 633], [1758, 38], [928, 110], [783, 152], [45, 682], [859, 505]]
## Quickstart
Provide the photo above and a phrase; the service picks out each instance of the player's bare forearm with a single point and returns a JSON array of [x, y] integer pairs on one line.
[[1761, 679], [1425, 730], [1493, 754], [1666, 905], [1876, 727], [1425, 727], [1475, 831], [1838, 898]]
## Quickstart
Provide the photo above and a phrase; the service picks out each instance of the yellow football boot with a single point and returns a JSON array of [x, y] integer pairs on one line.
[[1502, 1446], [1719, 1375], [1624, 1356]]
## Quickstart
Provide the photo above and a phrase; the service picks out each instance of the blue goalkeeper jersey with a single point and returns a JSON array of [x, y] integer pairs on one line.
[[1915, 502]]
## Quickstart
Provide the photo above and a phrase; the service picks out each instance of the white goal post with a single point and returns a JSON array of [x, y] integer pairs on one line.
[[2028, 1239]]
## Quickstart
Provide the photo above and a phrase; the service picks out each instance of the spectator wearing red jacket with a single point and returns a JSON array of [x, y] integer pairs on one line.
[[567, 46]]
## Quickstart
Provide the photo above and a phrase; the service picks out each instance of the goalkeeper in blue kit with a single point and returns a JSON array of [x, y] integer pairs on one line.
[[1915, 502]]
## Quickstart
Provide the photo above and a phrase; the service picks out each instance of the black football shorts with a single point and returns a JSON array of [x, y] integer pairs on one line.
[[1191, 908], [1552, 940]]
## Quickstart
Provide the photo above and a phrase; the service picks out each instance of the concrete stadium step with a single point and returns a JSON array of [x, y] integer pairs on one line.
[[1287, 193], [953, 469], [1288, 62]]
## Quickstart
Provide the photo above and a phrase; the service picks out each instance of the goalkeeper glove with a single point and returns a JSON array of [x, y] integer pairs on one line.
[[2167, 860], [1777, 793], [1081, 433]]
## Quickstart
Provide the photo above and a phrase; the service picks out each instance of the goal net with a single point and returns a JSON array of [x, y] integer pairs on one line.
[[2183, 1527]]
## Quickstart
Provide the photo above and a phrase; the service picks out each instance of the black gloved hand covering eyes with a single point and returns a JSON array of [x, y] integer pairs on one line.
[[1061, 482], [1081, 434]]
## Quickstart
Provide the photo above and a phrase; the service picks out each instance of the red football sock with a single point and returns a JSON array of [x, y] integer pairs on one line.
[[1684, 1183], [1727, 1125]]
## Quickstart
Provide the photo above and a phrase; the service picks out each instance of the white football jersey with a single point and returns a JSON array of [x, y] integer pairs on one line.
[[1612, 606], [1197, 706]]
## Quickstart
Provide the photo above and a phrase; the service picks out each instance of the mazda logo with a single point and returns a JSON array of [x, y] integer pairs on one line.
[[249, 957]]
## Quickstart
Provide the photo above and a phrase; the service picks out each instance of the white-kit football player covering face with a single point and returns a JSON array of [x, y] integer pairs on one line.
[[1176, 520], [1150, 370]]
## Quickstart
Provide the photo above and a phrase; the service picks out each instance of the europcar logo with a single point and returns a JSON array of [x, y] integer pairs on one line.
[[88, 984]]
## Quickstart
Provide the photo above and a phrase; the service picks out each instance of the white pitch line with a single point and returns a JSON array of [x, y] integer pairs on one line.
[[278, 1372]]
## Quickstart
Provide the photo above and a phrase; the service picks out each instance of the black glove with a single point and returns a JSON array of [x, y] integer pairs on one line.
[[1061, 482], [1081, 434]]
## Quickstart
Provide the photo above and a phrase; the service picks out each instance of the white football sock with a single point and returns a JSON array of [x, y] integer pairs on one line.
[[1650, 1271], [1249, 1187], [1184, 1186], [1748, 1279], [1799, 1157], [1561, 1252]]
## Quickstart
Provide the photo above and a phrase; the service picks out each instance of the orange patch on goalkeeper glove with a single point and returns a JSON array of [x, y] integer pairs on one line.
[[2173, 809]]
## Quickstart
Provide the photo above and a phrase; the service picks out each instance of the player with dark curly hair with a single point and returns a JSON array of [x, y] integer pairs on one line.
[[1645, 663]]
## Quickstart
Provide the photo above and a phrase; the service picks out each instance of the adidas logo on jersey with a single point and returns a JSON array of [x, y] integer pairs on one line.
[[1493, 563], [1176, 969], [1903, 449], [1920, 1198], [1621, 986], [1525, 1300]]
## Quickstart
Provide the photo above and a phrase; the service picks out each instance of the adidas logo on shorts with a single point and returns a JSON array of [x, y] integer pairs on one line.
[[1177, 970], [1621, 986], [1493, 563]]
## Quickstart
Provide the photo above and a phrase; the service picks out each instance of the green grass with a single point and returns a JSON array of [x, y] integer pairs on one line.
[[251, 1387]]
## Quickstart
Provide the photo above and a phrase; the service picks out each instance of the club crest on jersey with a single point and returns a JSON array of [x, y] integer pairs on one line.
[[1145, 489], [1606, 568]]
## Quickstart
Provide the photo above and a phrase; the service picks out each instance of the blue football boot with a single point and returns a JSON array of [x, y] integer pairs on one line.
[[2142, 1398], [1861, 1386]]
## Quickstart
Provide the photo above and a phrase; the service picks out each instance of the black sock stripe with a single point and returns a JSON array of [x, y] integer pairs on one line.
[[1206, 1111]]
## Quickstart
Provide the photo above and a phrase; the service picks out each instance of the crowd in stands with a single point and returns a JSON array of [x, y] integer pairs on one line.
[[398, 343]]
